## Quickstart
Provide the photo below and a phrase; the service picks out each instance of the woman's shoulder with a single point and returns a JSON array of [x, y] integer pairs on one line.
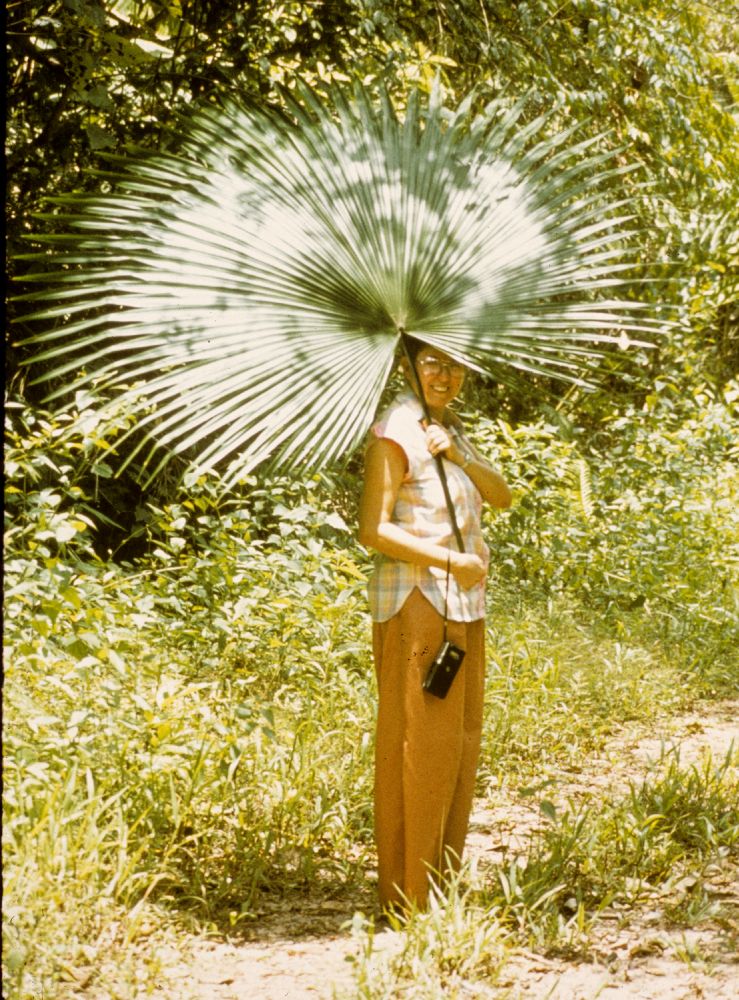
[[400, 419]]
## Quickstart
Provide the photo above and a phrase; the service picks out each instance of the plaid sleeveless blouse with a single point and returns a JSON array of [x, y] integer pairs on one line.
[[420, 509]]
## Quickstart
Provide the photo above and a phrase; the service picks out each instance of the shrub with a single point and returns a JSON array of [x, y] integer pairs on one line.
[[635, 523]]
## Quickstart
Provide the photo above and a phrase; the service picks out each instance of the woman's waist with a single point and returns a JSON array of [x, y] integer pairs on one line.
[[441, 532], [472, 546]]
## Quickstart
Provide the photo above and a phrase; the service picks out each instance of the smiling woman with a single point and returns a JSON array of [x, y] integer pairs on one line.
[[423, 591]]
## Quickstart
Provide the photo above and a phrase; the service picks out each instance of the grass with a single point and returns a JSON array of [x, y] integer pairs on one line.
[[559, 685], [436, 953], [140, 782], [189, 735], [605, 854]]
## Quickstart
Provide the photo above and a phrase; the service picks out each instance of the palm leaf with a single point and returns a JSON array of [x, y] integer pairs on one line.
[[254, 285]]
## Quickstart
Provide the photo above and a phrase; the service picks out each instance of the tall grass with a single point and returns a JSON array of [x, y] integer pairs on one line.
[[607, 853], [172, 789], [147, 777], [453, 949], [558, 684]]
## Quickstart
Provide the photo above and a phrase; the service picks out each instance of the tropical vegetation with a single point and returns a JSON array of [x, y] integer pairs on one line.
[[188, 696]]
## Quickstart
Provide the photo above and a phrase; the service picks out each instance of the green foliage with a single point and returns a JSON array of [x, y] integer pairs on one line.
[[634, 519], [442, 952], [190, 730], [95, 76], [557, 682], [653, 843]]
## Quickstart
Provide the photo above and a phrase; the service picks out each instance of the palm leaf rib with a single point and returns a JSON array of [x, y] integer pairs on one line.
[[245, 294]]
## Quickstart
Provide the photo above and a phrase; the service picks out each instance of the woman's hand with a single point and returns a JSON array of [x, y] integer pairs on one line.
[[384, 471], [440, 442], [467, 569]]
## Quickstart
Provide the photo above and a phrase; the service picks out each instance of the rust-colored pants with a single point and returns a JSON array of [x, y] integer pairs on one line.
[[426, 750]]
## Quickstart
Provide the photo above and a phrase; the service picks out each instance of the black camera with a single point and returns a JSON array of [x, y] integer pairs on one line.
[[443, 670]]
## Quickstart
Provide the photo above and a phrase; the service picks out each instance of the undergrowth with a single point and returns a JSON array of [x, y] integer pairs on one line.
[[559, 684], [189, 732], [616, 854]]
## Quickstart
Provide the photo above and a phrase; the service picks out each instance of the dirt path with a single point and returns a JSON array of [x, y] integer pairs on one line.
[[304, 950]]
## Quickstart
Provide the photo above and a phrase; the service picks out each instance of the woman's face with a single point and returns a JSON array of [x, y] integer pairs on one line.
[[440, 376]]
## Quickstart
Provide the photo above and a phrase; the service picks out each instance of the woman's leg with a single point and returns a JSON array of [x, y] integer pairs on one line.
[[389, 807], [474, 690], [426, 751]]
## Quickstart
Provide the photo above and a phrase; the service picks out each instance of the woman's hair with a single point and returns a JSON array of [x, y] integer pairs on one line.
[[414, 347]]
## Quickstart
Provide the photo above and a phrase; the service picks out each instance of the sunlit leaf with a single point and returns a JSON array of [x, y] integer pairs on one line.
[[254, 285]]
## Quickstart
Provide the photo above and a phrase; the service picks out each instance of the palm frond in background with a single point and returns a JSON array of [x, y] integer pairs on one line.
[[254, 285]]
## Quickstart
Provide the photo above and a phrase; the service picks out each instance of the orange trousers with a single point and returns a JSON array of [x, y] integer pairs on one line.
[[426, 750]]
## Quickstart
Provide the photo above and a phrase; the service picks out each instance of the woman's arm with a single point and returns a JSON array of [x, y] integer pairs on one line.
[[493, 488], [384, 471]]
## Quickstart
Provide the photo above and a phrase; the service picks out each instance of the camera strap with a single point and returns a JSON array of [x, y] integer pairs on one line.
[[446, 593]]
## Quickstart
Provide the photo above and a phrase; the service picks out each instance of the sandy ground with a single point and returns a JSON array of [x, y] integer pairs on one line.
[[304, 948]]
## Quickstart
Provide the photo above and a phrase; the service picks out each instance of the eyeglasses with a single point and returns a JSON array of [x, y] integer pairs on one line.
[[433, 366]]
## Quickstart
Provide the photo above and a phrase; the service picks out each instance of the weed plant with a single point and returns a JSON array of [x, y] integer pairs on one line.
[[663, 833], [547, 703], [453, 949], [635, 524]]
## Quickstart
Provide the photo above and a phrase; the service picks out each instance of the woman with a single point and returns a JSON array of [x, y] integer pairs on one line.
[[427, 748]]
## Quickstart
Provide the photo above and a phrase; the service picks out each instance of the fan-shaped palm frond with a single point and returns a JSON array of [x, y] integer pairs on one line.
[[254, 285]]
